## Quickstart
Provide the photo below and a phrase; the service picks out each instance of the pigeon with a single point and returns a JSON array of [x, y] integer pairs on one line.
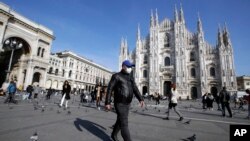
[[192, 138], [69, 113], [58, 112], [42, 110], [159, 110], [34, 137], [187, 122]]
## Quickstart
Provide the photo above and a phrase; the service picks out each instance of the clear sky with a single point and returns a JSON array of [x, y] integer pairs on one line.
[[94, 28]]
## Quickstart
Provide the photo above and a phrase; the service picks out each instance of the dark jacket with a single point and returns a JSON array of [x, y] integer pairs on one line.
[[124, 88], [66, 90], [222, 94], [29, 89]]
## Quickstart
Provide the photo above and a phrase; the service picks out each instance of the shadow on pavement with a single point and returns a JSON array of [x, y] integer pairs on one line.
[[93, 128]]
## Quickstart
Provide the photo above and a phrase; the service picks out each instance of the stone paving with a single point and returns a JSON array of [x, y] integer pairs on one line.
[[84, 122]]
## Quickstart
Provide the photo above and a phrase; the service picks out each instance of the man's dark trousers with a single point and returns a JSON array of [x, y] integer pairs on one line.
[[122, 111], [226, 104]]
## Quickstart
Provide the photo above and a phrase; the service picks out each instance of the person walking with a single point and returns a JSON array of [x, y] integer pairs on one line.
[[49, 93], [209, 101], [98, 95], [11, 90], [204, 101], [65, 93], [248, 101], [29, 90], [157, 98], [225, 101], [173, 103], [124, 87]]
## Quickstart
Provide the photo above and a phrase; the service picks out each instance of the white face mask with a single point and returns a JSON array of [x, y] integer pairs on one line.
[[128, 70]]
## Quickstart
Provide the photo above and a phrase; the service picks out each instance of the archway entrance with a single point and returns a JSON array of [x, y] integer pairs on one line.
[[166, 88], [194, 93], [214, 91], [5, 57], [144, 90], [36, 78]]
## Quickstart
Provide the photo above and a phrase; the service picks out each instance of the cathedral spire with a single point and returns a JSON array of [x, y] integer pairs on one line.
[[152, 19], [219, 40], [156, 18], [226, 38], [176, 19], [138, 33], [199, 24], [182, 15]]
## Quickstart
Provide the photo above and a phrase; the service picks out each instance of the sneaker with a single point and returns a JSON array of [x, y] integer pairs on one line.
[[181, 118], [166, 118]]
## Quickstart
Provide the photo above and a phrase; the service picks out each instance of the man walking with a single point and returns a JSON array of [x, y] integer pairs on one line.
[[225, 102], [124, 88]]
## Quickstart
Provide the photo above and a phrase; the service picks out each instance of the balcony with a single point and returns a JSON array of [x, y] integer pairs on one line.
[[167, 69]]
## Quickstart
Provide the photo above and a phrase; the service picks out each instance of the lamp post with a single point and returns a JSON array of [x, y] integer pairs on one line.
[[12, 44]]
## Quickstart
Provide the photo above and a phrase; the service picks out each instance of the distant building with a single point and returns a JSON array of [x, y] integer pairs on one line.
[[243, 82], [33, 63], [79, 71], [29, 63], [170, 53]]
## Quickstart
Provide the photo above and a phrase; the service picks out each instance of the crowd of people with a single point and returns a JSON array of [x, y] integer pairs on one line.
[[120, 91]]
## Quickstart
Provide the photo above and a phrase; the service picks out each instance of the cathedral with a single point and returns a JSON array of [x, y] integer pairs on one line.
[[170, 53]]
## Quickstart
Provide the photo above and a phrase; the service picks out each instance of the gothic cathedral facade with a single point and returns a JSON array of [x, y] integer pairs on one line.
[[172, 54]]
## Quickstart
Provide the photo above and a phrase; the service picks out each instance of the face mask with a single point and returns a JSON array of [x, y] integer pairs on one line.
[[128, 70]]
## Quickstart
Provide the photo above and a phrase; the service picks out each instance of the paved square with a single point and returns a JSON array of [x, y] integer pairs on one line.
[[86, 123]]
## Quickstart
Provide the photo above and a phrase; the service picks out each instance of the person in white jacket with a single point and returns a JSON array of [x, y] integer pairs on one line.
[[173, 103]]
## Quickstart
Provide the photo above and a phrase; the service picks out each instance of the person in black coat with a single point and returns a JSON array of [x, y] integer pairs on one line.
[[65, 93], [225, 101]]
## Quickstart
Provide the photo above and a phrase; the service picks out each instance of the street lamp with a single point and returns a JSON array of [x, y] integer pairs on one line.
[[12, 44]]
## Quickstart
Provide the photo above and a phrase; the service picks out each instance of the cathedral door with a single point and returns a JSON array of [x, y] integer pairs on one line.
[[214, 91], [144, 90], [166, 88], [194, 93]]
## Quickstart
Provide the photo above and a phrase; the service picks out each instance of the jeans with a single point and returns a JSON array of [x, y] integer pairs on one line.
[[122, 111], [226, 104]]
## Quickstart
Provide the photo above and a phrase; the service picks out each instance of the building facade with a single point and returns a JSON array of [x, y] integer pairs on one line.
[[243, 82], [25, 57], [24, 49], [79, 71], [170, 53]]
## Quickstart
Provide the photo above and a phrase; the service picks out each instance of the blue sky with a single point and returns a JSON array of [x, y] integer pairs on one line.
[[94, 28]]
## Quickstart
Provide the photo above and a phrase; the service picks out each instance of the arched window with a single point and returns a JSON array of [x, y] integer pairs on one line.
[[193, 74], [145, 60], [167, 41], [50, 70], [56, 72], [167, 61], [192, 56], [70, 72], [145, 73], [212, 71], [63, 71], [38, 51], [42, 52]]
